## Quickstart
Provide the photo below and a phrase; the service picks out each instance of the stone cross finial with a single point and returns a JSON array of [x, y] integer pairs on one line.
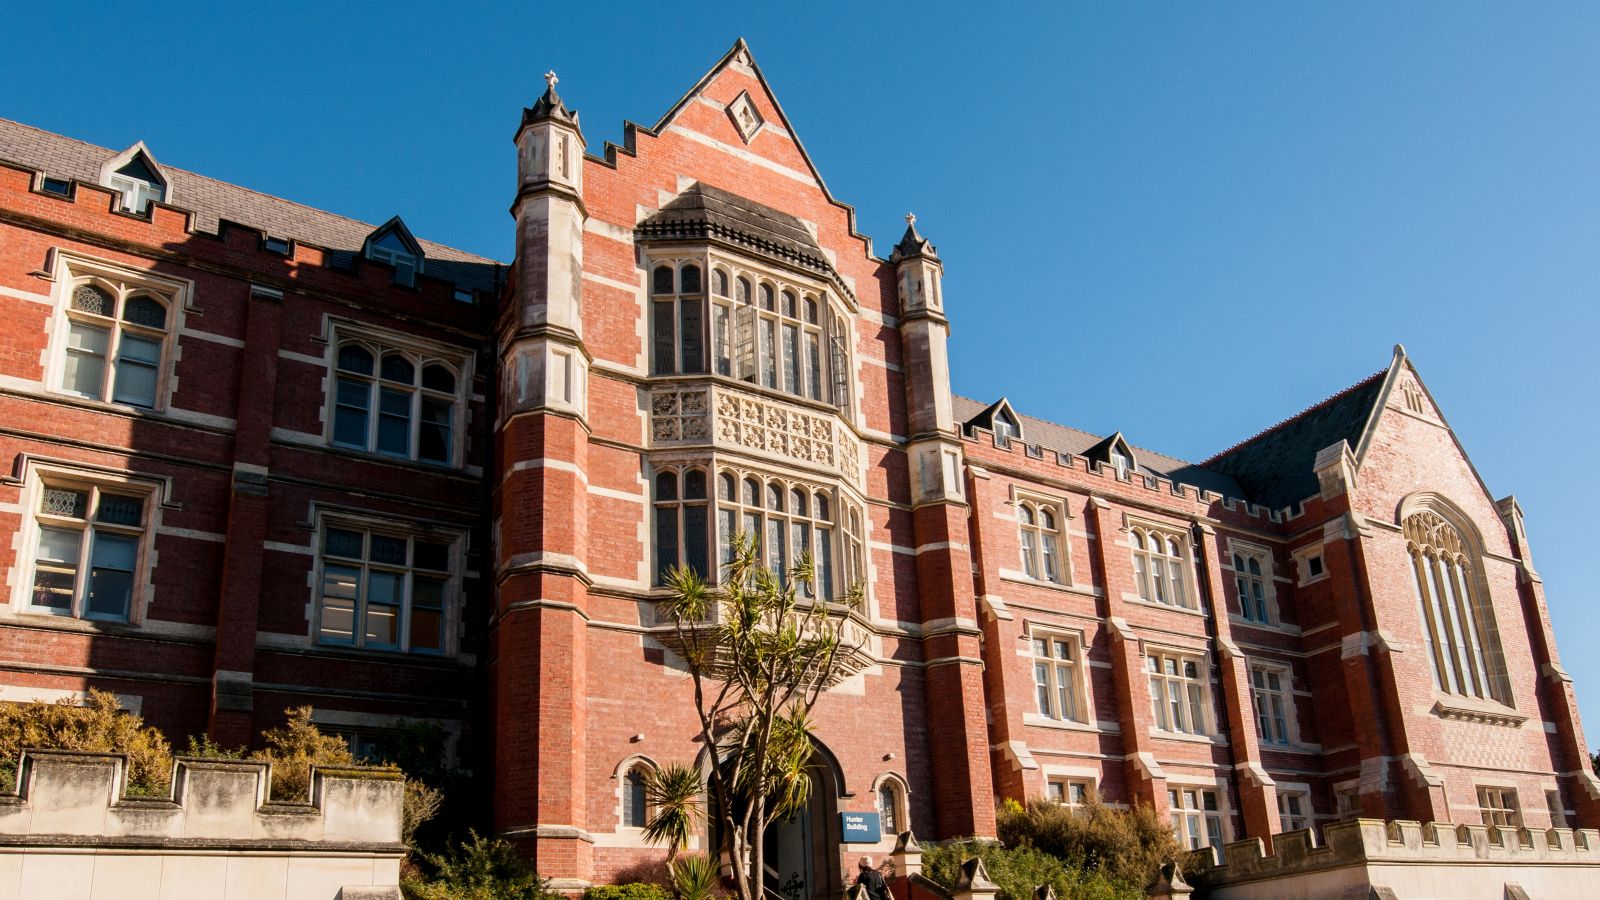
[[911, 219], [550, 79]]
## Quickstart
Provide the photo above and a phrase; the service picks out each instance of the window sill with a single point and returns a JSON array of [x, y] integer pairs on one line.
[[394, 657], [159, 414], [1471, 709], [1298, 749], [1080, 589], [1187, 738], [35, 618], [414, 465], [1038, 721], [1183, 610], [1279, 627]]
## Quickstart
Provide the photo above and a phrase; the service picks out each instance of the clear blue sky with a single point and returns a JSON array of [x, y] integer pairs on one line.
[[1182, 220]]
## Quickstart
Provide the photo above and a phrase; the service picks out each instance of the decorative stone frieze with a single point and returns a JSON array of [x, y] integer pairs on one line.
[[730, 418]]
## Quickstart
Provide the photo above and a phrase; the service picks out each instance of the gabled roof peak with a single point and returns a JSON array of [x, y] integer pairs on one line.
[[396, 226]]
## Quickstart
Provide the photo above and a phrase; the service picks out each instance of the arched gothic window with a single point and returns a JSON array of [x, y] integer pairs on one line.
[[1158, 566], [682, 522], [394, 402], [678, 314], [1462, 649], [116, 338], [635, 800], [891, 800], [1039, 532]]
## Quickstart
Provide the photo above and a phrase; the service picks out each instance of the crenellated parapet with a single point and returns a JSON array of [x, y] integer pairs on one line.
[[1409, 858], [216, 835]]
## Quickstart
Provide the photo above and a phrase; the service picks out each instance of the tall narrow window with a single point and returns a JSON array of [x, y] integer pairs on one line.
[[1269, 691], [1179, 694], [890, 803], [1250, 579], [394, 402], [635, 800], [87, 558], [1039, 534], [1159, 566], [1462, 651], [678, 337], [1055, 677], [682, 522], [115, 342]]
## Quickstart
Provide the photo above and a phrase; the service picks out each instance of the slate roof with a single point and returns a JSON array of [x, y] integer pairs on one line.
[[1275, 466], [703, 211], [1063, 439], [211, 200]]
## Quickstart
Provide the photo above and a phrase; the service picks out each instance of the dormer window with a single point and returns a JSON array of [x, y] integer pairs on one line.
[[1005, 427], [139, 182], [393, 244], [1121, 461]]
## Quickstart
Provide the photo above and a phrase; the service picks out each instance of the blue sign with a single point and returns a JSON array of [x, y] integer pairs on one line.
[[860, 828]]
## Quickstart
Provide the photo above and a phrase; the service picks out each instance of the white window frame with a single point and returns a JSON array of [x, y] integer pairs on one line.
[[450, 601], [1191, 822], [1160, 575], [1244, 580], [1288, 820], [1166, 669], [1038, 542], [123, 284], [1279, 726], [1060, 790], [380, 343], [37, 479], [843, 526], [1053, 667]]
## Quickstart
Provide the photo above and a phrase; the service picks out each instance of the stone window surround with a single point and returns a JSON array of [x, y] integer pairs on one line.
[[72, 269], [339, 331], [1302, 564], [1207, 734], [1186, 557], [1200, 783], [902, 800], [1236, 547], [1063, 514], [1307, 808], [39, 474], [325, 517], [1286, 679], [832, 308], [1082, 696]]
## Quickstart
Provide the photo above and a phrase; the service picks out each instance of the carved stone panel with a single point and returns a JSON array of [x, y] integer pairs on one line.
[[732, 418]]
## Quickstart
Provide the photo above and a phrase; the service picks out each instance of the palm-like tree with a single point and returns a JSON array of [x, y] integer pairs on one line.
[[673, 793]]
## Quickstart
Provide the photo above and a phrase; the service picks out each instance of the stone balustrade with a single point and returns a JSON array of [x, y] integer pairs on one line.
[[69, 833]]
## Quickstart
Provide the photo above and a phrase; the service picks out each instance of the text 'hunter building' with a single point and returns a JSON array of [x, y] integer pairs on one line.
[[254, 455]]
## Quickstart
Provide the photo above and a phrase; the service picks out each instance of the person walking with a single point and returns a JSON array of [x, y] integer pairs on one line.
[[871, 879]]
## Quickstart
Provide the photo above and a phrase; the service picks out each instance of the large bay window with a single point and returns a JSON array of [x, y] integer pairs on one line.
[[396, 402], [752, 326], [786, 518], [384, 590], [1459, 627]]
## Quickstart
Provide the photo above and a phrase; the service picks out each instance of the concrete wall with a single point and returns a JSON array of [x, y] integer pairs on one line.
[[1412, 860], [69, 834]]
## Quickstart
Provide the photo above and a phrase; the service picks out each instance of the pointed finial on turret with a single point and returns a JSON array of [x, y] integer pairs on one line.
[[913, 243], [549, 106]]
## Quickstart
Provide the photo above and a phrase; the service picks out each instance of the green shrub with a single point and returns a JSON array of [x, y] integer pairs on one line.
[[634, 891], [477, 869], [99, 725], [1125, 845], [294, 748], [1017, 871], [694, 877]]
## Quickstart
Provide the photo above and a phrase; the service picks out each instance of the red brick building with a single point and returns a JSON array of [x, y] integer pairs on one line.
[[259, 455]]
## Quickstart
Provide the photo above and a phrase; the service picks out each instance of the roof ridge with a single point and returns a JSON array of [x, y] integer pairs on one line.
[[240, 187], [1296, 417]]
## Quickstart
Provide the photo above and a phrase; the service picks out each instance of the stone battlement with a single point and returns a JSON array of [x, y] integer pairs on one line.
[[1461, 861], [69, 833]]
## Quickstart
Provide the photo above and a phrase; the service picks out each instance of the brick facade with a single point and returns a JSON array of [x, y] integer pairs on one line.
[[553, 668]]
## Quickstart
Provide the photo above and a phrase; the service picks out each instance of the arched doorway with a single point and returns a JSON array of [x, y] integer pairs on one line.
[[802, 852]]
